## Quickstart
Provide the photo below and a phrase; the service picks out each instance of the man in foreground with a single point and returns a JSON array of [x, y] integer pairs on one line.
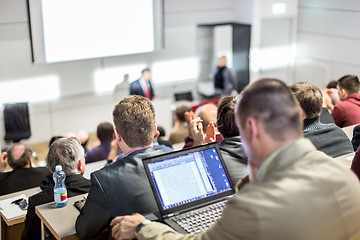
[[295, 192], [122, 187]]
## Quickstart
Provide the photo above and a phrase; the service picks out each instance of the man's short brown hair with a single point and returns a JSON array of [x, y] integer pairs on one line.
[[271, 103], [350, 83], [309, 97], [180, 112], [105, 131], [134, 118], [23, 160], [226, 117]]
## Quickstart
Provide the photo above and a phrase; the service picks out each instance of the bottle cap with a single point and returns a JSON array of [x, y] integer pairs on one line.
[[58, 168]]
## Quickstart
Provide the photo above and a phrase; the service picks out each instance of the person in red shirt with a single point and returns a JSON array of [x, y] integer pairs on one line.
[[347, 112]]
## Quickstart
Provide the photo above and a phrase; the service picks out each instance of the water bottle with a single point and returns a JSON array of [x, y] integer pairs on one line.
[[60, 192]]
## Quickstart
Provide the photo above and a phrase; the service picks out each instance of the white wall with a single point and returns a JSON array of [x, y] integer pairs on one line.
[[79, 107], [328, 40]]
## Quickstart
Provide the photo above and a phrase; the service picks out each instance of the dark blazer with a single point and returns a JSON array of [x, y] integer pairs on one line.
[[136, 89], [119, 189], [22, 179], [76, 184], [356, 137]]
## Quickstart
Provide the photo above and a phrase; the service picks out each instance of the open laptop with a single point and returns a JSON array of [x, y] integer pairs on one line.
[[190, 186]]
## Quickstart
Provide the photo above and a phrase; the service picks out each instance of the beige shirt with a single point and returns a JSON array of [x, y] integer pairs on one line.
[[300, 194]]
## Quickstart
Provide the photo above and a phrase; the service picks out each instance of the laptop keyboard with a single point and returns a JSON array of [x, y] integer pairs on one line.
[[200, 219]]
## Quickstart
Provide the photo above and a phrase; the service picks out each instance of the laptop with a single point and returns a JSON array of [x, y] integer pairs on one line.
[[190, 186]]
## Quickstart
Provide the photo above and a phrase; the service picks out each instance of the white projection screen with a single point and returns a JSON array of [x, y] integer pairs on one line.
[[66, 30]]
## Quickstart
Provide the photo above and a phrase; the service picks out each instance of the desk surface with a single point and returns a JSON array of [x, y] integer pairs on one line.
[[346, 159], [28, 193], [60, 221]]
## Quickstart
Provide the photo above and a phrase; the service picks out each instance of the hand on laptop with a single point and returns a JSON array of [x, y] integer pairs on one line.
[[124, 227]]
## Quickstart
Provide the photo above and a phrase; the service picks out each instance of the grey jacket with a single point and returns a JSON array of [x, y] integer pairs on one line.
[[234, 157]]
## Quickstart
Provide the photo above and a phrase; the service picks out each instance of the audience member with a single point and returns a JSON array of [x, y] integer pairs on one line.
[[143, 86], [355, 165], [225, 79], [68, 153], [332, 91], [231, 147], [52, 140], [23, 176], [206, 114], [105, 133], [347, 112], [160, 138], [180, 130], [356, 137], [327, 138], [83, 136], [122, 187], [285, 171]]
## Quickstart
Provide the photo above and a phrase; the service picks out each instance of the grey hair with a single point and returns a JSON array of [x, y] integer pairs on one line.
[[65, 152]]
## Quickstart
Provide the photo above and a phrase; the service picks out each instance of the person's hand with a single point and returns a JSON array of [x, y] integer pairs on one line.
[[3, 161], [210, 133], [196, 131], [327, 102], [124, 227], [113, 150]]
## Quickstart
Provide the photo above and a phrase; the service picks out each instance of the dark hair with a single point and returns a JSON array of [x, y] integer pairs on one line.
[[134, 118], [226, 117], [24, 158], [180, 112], [271, 103], [53, 140], [105, 131], [350, 83], [332, 84], [309, 97], [145, 70], [161, 131]]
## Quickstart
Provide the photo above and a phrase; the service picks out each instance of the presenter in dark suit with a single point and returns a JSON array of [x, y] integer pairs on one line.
[[143, 86]]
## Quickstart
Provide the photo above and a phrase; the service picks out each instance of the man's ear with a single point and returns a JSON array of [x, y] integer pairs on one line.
[[253, 127], [344, 92], [156, 131], [117, 135], [81, 166]]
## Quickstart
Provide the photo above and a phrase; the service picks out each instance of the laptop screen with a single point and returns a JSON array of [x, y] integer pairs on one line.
[[188, 177]]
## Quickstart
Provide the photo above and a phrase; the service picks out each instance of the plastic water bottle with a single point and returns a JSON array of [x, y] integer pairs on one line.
[[60, 192]]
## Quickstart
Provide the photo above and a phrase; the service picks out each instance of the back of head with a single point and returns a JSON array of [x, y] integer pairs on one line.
[[226, 117], [332, 84], [134, 119], [180, 112], [208, 113], [105, 131], [19, 156], [65, 152], [350, 83], [270, 102], [309, 97]]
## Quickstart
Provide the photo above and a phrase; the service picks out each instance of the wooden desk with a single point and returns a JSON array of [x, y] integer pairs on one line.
[[59, 221], [346, 159], [15, 221], [349, 131]]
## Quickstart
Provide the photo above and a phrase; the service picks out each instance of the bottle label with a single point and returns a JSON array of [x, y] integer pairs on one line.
[[60, 197]]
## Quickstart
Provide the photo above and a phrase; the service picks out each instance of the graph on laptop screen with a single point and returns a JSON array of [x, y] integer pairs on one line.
[[188, 177]]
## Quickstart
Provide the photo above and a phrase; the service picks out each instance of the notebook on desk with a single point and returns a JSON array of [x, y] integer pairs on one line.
[[190, 186]]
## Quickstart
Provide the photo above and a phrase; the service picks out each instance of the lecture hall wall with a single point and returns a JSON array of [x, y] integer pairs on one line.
[[73, 87]]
